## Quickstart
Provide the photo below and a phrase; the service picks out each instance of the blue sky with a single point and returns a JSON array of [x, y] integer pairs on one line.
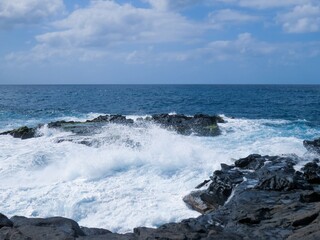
[[160, 41]]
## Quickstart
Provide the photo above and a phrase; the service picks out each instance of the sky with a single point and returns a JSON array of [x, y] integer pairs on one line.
[[159, 41]]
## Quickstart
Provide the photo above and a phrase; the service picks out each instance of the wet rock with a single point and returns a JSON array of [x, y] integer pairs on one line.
[[64, 225], [4, 221], [313, 146], [310, 198], [22, 132], [252, 162], [59, 124], [305, 220], [195, 202], [94, 231], [200, 124], [311, 172], [277, 183], [111, 119]]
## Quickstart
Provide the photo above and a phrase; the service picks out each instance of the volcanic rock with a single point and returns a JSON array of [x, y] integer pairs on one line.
[[22, 132], [200, 124], [313, 146]]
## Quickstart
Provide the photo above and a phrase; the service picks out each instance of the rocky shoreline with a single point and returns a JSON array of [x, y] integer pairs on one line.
[[262, 197], [199, 125]]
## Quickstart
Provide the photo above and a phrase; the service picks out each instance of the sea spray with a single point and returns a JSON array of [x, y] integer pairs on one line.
[[129, 176]]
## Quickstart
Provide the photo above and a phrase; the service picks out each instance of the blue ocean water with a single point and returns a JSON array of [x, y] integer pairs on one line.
[[290, 102], [136, 175]]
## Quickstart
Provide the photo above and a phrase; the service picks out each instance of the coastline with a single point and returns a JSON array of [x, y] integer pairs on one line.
[[258, 197], [263, 197]]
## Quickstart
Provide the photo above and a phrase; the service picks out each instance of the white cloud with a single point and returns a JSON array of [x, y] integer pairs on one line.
[[243, 46], [165, 5], [264, 4], [21, 12], [230, 16], [106, 28], [104, 23], [302, 19]]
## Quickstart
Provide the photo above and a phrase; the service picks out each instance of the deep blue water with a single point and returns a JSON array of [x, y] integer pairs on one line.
[[44, 102]]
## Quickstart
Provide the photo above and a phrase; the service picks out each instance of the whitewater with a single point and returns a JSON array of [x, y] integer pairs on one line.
[[130, 176]]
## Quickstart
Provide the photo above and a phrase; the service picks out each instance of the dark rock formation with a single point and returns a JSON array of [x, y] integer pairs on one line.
[[199, 124], [252, 162], [311, 172], [313, 146], [4, 221], [112, 119], [272, 202], [22, 132]]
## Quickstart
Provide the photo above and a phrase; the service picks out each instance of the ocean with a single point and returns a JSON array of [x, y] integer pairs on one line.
[[137, 175]]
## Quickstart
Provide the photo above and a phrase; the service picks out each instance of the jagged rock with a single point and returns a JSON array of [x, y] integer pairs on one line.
[[311, 172], [277, 183], [22, 132], [62, 123], [195, 202], [313, 146], [112, 119], [200, 124], [4, 221], [252, 162]]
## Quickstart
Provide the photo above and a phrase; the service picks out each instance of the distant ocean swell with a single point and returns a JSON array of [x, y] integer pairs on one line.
[[129, 175]]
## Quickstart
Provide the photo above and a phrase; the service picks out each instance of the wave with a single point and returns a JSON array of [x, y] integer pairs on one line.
[[128, 176]]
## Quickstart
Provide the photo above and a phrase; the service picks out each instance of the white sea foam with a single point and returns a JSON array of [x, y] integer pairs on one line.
[[131, 176]]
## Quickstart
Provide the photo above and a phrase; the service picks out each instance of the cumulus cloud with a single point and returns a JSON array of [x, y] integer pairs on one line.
[[243, 46], [264, 4], [21, 12], [226, 16], [165, 5], [302, 19], [125, 32], [104, 23], [107, 28]]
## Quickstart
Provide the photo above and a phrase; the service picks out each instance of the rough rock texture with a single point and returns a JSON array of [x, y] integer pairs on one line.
[[260, 197], [22, 132], [313, 146], [199, 124], [272, 202]]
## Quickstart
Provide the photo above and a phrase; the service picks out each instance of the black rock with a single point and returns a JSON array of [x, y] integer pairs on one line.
[[111, 119], [252, 162], [65, 225], [94, 231], [4, 221], [22, 132], [200, 124], [277, 183], [59, 124], [310, 198], [313, 146], [311, 172]]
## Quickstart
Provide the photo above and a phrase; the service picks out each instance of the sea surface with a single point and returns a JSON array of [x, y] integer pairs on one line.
[[138, 175]]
